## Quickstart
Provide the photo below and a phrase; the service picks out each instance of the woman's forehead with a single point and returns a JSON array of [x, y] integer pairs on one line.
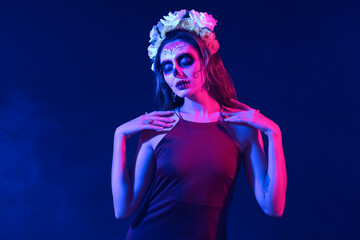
[[174, 48]]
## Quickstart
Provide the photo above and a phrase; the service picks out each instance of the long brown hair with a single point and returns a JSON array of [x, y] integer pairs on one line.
[[221, 88]]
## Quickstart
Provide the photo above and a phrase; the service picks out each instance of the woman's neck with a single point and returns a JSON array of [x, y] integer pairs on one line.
[[204, 109]]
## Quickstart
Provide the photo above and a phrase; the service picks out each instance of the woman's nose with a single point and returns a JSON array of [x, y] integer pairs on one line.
[[176, 72]]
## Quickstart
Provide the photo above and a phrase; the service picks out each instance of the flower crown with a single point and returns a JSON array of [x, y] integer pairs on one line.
[[198, 23]]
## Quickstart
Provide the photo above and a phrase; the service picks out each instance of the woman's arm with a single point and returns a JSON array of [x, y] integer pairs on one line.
[[120, 177], [267, 177], [129, 188]]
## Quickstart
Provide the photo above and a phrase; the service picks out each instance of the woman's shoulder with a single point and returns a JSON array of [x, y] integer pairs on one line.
[[152, 137], [243, 131]]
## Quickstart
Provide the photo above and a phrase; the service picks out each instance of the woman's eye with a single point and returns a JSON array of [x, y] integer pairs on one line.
[[167, 68], [186, 61]]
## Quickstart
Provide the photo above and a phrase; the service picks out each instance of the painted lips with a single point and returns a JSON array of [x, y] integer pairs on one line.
[[183, 84]]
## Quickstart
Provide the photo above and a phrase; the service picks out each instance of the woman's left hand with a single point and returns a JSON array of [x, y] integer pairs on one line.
[[253, 117]]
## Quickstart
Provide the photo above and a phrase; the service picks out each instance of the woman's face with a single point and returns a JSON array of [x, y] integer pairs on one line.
[[182, 69]]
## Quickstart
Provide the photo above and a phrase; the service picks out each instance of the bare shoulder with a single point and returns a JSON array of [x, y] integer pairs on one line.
[[153, 137], [243, 133]]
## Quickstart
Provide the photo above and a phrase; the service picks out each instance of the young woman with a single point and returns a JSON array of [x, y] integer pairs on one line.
[[190, 153]]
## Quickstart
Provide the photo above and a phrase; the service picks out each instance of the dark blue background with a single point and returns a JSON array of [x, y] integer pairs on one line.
[[72, 71]]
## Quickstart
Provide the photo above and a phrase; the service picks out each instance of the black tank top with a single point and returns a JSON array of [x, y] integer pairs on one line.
[[197, 165]]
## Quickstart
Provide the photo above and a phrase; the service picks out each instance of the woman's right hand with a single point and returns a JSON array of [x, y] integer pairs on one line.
[[155, 120]]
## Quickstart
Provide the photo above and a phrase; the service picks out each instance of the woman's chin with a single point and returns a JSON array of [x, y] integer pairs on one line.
[[184, 93], [191, 92]]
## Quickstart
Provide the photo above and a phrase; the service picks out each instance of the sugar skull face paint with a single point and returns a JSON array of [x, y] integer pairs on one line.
[[182, 68]]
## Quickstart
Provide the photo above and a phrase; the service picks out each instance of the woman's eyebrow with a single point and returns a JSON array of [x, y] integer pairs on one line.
[[181, 55], [165, 62], [184, 55]]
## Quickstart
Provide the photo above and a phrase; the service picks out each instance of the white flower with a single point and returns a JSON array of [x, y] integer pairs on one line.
[[152, 50], [154, 34], [203, 20], [165, 29], [187, 24], [173, 19], [206, 34]]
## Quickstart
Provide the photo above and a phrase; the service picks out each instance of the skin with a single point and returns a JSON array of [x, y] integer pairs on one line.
[[266, 175], [180, 61]]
